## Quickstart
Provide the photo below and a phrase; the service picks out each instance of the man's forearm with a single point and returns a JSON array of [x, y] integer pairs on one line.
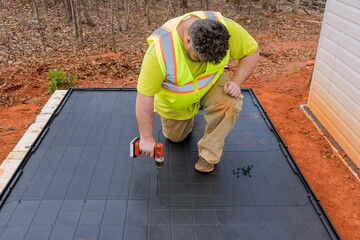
[[145, 115], [245, 67]]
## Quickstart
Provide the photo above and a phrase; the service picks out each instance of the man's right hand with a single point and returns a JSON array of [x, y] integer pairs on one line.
[[147, 147]]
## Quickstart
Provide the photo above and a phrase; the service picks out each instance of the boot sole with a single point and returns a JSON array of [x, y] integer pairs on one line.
[[205, 171]]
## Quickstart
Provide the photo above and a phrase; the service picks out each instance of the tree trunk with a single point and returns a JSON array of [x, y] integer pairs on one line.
[[269, 3], [172, 5], [147, 11], [36, 10], [74, 19], [296, 6], [128, 15], [68, 10], [207, 5], [112, 27], [202, 5], [78, 18], [118, 16], [265, 4], [87, 16], [56, 8], [311, 4], [184, 3], [39, 23], [6, 30], [46, 18]]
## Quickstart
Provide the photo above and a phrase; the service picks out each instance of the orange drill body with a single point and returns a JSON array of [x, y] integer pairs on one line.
[[159, 155], [159, 152]]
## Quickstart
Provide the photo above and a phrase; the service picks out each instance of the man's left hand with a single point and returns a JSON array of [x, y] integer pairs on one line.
[[231, 88]]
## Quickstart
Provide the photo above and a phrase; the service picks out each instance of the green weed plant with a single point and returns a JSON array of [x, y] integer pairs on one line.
[[59, 79]]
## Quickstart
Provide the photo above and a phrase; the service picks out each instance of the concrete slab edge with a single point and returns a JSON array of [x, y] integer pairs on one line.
[[332, 144], [15, 157]]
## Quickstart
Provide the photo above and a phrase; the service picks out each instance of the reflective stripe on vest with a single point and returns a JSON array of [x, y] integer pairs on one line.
[[168, 52], [206, 80], [202, 83], [211, 15]]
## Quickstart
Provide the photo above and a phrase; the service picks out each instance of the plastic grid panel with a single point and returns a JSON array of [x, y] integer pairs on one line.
[[80, 183]]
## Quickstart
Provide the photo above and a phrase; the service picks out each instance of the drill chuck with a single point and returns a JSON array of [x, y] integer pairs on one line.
[[159, 162]]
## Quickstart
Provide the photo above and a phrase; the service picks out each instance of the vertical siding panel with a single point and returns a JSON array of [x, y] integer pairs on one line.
[[323, 74], [350, 44], [335, 90], [353, 3], [347, 88], [352, 14], [351, 29], [351, 150], [349, 74], [349, 59], [344, 109], [330, 32], [326, 56]]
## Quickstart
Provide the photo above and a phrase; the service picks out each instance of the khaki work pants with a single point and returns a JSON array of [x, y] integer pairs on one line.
[[220, 112]]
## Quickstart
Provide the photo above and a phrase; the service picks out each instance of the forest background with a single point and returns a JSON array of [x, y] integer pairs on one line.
[[101, 43]]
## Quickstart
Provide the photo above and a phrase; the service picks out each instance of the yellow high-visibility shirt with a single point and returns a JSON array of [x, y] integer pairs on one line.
[[151, 76]]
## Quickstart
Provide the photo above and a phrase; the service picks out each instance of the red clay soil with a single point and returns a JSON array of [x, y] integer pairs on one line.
[[281, 82]]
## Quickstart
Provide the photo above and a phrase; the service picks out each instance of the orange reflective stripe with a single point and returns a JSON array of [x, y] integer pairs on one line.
[[205, 81], [217, 18], [199, 79], [206, 16], [166, 28], [161, 46]]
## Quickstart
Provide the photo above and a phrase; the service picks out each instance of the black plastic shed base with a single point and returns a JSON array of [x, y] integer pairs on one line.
[[78, 182]]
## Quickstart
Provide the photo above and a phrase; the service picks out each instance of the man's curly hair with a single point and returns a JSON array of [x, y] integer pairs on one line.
[[209, 39]]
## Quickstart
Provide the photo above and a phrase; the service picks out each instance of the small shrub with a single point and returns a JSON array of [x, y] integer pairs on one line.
[[295, 68], [58, 79]]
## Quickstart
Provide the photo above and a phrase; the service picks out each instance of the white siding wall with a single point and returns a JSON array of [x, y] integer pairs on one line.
[[335, 90]]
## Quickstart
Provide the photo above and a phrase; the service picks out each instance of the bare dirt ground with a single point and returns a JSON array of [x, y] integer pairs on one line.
[[288, 46]]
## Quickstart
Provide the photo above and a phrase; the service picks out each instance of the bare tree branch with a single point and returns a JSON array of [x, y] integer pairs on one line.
[[112, 27]]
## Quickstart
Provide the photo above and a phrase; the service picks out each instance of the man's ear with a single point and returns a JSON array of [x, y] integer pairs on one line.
[[187, 39]]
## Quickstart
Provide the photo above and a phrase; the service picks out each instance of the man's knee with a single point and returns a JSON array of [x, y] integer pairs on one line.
[[177, 130], [175, 138]]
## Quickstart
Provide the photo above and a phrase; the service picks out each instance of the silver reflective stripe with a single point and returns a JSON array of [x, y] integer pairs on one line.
[[161, 31], [167, 49], [210, 15], [205, 81], [169, 58], [180, 89]]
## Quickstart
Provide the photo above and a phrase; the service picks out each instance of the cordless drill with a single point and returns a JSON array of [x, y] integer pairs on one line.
[[159, 152]]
